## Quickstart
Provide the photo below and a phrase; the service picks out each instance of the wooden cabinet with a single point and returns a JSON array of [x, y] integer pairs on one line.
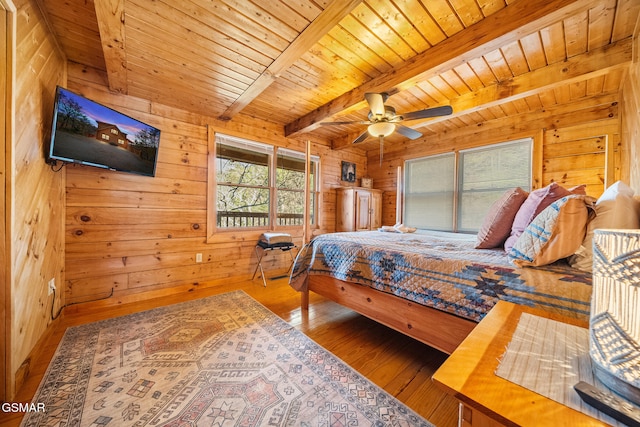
[[358, 209]]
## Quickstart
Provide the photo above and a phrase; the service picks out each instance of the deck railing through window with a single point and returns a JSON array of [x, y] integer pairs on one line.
[[227, 219]]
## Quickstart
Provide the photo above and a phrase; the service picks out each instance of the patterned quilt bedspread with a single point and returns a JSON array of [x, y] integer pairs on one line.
[[443, 271]]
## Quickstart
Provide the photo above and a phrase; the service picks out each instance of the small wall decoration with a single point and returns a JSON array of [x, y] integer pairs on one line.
[[348, 171]]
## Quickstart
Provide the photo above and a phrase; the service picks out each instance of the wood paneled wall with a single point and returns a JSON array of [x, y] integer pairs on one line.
[[579, 143], [35, 195], [130, 237], [631, 116], [6, 39], [138, 236]]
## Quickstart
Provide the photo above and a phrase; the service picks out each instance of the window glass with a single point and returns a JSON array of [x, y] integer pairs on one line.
[[434, 199], [242, 177], [290, 187], [485, 174], [246, 185], [429, 185]]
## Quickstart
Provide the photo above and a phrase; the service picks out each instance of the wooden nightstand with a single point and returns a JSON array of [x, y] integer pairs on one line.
[[488, 400]]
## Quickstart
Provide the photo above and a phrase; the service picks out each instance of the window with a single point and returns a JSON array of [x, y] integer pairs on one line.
[[258, 186], [290, 166], [453, 192], [429, 192], [485, 174], [242, 177]]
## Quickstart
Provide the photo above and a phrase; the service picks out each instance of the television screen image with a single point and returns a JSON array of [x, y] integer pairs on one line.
[[92, 134]]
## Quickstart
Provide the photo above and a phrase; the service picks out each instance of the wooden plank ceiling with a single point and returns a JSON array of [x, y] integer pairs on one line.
[[298, 63]]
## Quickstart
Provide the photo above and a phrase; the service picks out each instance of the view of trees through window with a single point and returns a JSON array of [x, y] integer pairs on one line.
[[245, 190], [290, 187], [242, 193]]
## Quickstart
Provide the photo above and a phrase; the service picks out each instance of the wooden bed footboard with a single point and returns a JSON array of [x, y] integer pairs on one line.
[[435, 328]]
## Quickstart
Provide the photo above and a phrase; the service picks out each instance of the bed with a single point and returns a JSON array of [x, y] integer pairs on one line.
[[432, 286]]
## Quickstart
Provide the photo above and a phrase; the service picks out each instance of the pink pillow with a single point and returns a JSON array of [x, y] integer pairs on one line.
[[537, 201], [497, 222], [579, 189]]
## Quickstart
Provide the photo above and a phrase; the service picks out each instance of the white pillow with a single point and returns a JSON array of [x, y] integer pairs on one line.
[[616, 208], [616, 189]]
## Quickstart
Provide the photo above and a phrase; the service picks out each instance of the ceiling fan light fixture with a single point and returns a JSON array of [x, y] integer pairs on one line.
[[381, 129]]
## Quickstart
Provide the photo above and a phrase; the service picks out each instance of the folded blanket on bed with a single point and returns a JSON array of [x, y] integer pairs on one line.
[[398, 228]]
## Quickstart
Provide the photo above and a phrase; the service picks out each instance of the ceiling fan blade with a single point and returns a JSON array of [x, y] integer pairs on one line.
[[408, 132], [364, 135], [445, 110], [376, 103]]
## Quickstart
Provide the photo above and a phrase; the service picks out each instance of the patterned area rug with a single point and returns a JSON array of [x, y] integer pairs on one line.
[[222, 361]]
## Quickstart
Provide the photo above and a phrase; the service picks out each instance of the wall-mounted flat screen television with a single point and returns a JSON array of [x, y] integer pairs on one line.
[[92, 134]]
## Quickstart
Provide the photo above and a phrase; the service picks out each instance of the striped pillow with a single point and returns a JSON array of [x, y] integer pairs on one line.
[[555, 233]]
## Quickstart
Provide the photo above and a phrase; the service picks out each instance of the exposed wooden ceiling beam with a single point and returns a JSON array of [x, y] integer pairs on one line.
[[110, 15], [326, 20], [563, 115], [578, 68], [511, 23]]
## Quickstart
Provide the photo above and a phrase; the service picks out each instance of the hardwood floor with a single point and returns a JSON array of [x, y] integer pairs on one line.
[[398, 364]]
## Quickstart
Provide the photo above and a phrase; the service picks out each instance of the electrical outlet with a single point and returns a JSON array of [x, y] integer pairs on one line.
[[198, 257], [52, 285]]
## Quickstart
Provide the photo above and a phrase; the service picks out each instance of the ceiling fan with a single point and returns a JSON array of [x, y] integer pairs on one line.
[[383, 120]]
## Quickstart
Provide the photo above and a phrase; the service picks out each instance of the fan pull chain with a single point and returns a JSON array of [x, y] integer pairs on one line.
[[381, 148]]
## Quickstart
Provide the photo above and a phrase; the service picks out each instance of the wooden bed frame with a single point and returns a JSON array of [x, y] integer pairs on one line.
[[433, 327]]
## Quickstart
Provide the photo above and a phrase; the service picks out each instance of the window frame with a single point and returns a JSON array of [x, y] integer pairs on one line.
[[448, 156], [460, 182], [216, 233], [261, 150], [314, 188], [535, 170]]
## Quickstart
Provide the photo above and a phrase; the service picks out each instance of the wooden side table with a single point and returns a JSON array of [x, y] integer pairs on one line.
[[488, 400]]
